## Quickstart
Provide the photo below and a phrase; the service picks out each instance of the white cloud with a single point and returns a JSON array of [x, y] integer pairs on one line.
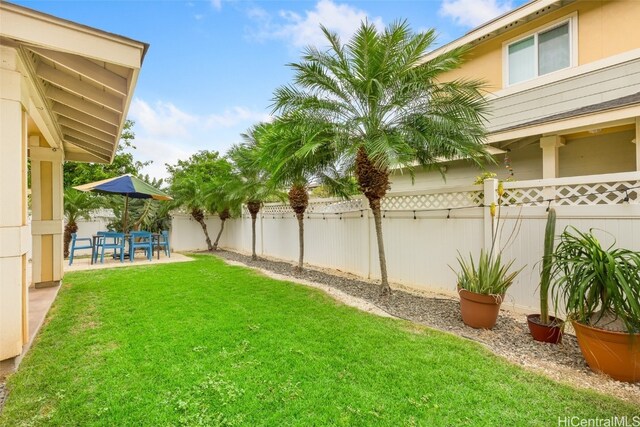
[[471, 13], [165, 134], [303, 30], [217, 4], [234, 116]]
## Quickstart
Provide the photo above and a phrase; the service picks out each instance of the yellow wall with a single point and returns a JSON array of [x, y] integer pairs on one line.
[[605, 28]]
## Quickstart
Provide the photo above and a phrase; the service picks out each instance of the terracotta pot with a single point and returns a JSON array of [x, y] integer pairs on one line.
[[616, 354], [545, 333], [479, 311]]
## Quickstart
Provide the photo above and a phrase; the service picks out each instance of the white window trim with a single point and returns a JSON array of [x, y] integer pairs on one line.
[[572, 19]]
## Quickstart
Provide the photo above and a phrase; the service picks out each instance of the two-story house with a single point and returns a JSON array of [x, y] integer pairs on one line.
[[563, 79]]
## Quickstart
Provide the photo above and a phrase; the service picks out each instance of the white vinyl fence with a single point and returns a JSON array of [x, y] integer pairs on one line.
[[423, 232]]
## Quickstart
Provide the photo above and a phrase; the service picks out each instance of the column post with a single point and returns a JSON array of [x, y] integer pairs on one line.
[[637, 139], [14, 231], [550, 164], [47, 213]]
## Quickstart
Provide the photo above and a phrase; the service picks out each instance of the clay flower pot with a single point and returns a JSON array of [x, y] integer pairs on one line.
[[616, 354], [545, 333], [479, 311]]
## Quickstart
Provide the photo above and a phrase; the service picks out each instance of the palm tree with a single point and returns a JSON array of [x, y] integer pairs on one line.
[[284, 151], [77, 204], [189, 193], [388, 106], [253, 186]]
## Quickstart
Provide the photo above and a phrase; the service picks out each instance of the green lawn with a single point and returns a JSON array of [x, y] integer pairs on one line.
[[202, 343]]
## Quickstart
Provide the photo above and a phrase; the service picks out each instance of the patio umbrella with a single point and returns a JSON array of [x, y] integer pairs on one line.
[[128, 186]]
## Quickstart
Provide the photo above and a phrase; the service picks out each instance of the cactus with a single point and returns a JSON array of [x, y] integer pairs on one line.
[[547, 259]]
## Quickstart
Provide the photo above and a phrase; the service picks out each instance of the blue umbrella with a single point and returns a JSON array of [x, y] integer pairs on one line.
[[128, 186]]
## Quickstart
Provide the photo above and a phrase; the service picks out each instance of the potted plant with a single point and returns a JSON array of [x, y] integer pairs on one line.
[[482, 287], [543, 327], [600, 291]]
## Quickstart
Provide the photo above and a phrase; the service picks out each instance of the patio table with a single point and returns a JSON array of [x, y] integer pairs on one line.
[[155, 243]]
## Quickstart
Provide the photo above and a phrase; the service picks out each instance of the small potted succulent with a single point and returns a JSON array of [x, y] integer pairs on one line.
[[543, 327], [482, 287], [600, 291]]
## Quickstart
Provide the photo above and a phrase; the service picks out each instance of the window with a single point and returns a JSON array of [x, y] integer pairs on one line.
[[540, 53]]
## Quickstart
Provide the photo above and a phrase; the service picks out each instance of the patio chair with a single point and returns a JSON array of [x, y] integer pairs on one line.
[[163, 242], [140, 239], [110, 240], [78, 243]]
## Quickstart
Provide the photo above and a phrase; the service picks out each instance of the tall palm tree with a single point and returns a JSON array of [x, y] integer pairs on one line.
[[285, 152], [388, 106], [254, 186], [77, 204], [189, 193]]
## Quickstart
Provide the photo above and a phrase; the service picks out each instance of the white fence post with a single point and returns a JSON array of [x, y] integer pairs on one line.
[[490, 223]]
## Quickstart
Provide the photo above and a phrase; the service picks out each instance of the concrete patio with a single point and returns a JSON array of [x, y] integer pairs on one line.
[[80, 264]]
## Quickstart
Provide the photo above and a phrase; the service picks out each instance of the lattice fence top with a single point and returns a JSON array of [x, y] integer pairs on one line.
[[606, 193], [433, 201], [603, 193]]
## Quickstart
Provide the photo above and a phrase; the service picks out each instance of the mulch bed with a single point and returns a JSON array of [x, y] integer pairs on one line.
[[510, 337]]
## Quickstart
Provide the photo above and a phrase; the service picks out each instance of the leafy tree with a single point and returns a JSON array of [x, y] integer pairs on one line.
[[123, 162], [253, 186], [77, 204], [388, 106], [190, 182], [294, 151]]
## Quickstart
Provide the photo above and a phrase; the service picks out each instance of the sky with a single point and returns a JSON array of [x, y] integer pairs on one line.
[[212, 65]]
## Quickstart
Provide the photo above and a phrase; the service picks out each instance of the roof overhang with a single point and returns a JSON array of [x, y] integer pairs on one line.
[[503, 23], [80, 80]]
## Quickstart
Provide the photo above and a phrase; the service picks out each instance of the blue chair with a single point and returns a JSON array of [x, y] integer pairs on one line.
[[77, 243], [163, 242], [140, 239], [110, 240]]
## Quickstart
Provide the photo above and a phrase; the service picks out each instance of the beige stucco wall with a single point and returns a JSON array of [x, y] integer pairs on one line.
[[598, 154], [605, 28], [581, 155]]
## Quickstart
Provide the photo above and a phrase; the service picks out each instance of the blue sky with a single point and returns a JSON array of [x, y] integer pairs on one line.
[[213, 64]]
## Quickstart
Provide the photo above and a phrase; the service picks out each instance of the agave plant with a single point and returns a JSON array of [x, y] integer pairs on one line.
[[596, 284], [488, 277]]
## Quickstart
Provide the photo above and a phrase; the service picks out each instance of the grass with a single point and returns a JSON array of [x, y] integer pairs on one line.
[[203, 343]]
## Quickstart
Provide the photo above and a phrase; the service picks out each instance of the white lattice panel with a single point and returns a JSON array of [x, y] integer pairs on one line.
[[278, 209], [335, 207], [533, 196], [433, 201], [605, 193]]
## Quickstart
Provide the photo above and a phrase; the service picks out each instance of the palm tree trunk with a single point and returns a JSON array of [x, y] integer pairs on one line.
[[206, 234], [198, 215], [300, 217], [254, 208], [215, 244], [299, 200], [385, 289], [374, 183], [69, 229]]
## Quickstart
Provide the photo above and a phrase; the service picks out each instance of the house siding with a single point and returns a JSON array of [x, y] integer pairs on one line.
[[605, 29], [566, 95]]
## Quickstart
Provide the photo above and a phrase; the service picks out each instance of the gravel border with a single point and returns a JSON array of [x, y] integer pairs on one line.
[[510, 337]]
